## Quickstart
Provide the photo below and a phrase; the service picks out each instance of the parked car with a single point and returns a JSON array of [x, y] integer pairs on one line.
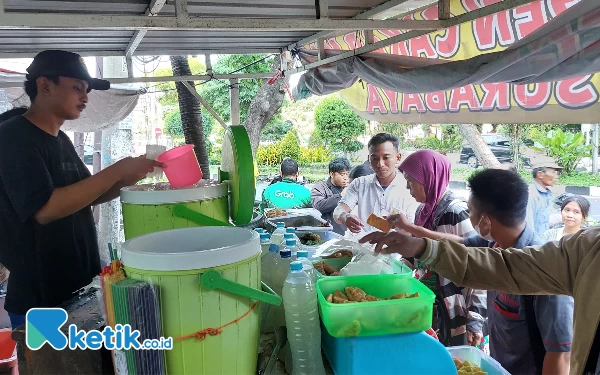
[[500, 146]]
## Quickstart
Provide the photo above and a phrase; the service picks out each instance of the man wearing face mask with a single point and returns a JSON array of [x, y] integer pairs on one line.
[[528, 334]]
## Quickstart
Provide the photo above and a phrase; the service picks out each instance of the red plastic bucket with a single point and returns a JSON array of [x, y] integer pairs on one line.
[[181, 166]]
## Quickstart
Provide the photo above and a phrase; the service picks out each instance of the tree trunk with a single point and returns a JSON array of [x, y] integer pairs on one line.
[[191, 117], [515, 143], [484, 155], [265, 104]]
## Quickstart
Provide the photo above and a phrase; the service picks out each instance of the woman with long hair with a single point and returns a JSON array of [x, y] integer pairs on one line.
[[574, 210]]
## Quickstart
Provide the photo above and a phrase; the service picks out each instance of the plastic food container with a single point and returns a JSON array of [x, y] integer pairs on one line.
[[399, 268], [379, 317], [475, 355]]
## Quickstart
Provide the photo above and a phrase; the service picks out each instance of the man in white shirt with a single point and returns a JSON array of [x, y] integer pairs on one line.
[[382, 193]]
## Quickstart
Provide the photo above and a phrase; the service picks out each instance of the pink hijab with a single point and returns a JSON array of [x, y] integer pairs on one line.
[[432, 170]]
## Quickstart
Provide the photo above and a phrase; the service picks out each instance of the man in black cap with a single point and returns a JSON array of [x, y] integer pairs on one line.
[[48, 237]]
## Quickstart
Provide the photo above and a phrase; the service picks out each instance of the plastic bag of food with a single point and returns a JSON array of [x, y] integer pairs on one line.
[[366, 264]]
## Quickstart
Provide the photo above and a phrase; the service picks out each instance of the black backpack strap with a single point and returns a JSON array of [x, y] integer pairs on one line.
[[537, 346]]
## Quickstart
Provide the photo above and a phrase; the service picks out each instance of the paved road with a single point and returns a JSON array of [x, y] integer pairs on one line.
[[594, 201]]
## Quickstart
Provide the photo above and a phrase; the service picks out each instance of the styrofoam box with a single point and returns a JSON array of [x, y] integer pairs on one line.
[[477, 356]]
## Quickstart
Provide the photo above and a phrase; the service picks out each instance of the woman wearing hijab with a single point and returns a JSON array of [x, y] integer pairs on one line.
[[459, 313]]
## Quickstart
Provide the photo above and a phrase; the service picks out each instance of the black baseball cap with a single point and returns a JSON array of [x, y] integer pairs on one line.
[[55, 63]]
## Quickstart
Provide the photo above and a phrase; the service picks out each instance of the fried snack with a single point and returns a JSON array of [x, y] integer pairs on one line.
[[328, 269], [336, 273], [337, 299], [353, 329], [319, 267], [340, 254], [370, 298], [400, 296], [405, 295], [341, 295], [276, 213], [354, 293], [467, 368], [379, 223], [329, 298]]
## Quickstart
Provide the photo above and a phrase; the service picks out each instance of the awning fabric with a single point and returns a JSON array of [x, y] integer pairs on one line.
[[104, 108]]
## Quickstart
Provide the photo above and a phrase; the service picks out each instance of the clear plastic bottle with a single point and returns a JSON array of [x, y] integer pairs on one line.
[[283, 267], [293, 231], [307, 265], [286, 236], [278, 233], [265, 242], [302, 321], [269, 259], [278, 278]]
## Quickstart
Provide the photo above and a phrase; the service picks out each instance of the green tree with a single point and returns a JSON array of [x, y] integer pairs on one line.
[[169, 97], [191, 115], [275, 131], [290, 145], [315, 139], [216, 92], [174, 128], [397, 129], [338, 125]]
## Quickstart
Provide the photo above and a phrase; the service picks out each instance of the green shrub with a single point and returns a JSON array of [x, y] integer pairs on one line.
[[310, 155], [567, 148], [338, 126], [269, 155], [290, 145]]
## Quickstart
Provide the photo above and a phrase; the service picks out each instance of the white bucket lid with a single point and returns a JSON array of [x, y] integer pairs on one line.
[[190, 248], [163, 192]]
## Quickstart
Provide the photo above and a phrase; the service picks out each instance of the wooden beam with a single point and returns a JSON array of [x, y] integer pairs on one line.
[[443, 9]]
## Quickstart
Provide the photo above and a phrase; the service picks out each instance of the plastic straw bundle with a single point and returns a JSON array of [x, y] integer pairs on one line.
[[109, 276], [137, 303]]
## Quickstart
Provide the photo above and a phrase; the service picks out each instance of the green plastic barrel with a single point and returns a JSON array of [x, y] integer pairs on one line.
[[208, 277], [156, 207]]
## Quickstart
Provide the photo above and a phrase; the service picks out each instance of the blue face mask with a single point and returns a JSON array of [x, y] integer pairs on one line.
[[487, 236]]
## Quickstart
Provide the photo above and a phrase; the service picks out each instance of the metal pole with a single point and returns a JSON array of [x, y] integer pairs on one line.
[[595, 149], [234, 101]]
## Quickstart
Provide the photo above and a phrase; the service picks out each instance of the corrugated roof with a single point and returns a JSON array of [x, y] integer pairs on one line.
[[155, 42]]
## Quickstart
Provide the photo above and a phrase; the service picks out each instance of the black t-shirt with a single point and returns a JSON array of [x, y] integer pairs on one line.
[[47, 263]]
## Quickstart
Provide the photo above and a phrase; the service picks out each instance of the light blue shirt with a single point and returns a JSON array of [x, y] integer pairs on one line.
[[539, 205]]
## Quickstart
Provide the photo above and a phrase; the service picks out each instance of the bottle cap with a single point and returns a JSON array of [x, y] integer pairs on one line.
[[302, 254], [290, 230], [265, 236], [280, 224], [296, 266], [290, 242], [259, 230], [285, 253], [288, 236]]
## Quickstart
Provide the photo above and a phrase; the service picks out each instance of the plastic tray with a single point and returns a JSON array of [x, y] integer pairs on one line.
[[398, 268], [379, 317], [475, 355], [302, 223]]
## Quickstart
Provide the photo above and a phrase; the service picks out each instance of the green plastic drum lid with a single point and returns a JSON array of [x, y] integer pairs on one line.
[[190, 249], [163, 193]]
